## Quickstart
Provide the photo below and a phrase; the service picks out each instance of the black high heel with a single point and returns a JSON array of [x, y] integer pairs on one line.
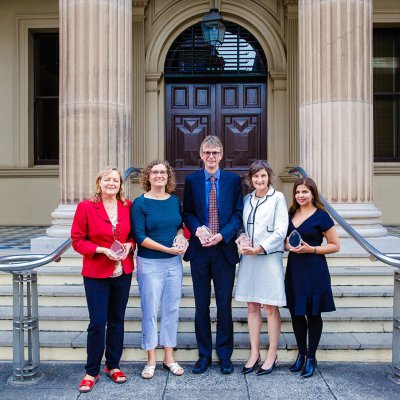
[[298, 364], [249, 370], [309, 368], [262, 371]]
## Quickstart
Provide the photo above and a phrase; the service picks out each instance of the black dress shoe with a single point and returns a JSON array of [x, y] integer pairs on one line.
[[249, 370], [201, 365], [298, 364], [309, 368], [226, 367], [262, 371]]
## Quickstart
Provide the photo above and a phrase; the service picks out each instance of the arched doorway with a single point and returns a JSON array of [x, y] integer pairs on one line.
[[215, 91]]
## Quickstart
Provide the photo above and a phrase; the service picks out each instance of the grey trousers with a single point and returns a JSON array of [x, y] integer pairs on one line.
[[160, 286]]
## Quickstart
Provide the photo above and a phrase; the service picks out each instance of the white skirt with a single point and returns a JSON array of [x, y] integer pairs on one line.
[[261, 280]]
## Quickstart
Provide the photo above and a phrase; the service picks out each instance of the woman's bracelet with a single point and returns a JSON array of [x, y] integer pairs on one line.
[[315, 250]]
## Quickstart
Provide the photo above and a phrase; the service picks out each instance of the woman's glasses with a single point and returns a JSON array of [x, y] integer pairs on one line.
[[162, 173]]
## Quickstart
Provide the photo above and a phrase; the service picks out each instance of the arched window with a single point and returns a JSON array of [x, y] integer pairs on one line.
[[239, 54]]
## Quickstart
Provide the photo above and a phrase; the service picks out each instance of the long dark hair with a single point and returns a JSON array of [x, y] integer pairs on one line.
[[314, 191]]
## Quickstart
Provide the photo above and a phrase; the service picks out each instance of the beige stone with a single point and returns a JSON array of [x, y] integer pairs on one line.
[[95, 98], [336, 130]]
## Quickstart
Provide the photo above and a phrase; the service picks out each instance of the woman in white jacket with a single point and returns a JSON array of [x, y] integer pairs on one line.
[[260, 280]]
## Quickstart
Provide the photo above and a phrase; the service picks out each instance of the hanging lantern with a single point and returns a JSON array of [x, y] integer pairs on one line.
[[213, 27]]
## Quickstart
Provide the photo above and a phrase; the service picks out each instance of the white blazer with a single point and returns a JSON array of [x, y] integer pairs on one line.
[[266, 222]]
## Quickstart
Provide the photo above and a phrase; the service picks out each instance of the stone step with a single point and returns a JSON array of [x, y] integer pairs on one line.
[[73, 295], [342, 320], [71, 346], [60, 274]]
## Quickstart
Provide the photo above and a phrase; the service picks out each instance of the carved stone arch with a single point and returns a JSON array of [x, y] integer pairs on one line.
[[179, 17]]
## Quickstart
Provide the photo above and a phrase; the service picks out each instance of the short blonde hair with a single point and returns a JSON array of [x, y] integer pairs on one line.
[[97, 191]]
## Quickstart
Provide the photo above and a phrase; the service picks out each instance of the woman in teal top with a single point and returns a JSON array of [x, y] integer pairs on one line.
[[156, 222]]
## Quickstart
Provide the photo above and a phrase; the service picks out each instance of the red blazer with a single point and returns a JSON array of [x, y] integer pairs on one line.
[[91, 228]]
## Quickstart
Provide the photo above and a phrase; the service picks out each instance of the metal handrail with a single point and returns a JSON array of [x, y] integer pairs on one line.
[[375, 254], [26, 359], [15, 263], [131, 171]]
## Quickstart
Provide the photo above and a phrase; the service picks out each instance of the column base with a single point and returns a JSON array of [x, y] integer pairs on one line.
[[57, 233], [364, 218]]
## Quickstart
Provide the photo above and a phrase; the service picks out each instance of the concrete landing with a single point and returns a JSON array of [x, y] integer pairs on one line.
[[355, 381]]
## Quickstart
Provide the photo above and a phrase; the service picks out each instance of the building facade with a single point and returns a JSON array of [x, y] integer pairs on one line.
[[91, 83]]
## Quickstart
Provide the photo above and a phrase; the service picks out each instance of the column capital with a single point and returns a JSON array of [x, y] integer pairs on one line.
[[291, 8], [278, 79], [140, 4], [138, 9], [152, 81]]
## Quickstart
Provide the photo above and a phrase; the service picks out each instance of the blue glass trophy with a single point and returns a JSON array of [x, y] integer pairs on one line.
[[294, 239]]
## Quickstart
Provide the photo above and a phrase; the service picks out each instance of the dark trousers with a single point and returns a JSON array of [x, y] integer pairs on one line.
[[211, 264], [106, 299]]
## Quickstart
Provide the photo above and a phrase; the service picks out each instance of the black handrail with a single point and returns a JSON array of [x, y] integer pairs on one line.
[[131, 170], [375, 254]]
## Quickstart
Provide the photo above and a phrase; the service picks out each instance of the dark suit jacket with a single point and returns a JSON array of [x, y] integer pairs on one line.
[[230, 209]]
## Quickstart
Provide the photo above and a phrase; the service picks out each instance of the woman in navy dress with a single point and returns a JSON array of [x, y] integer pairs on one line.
[[307, 280]]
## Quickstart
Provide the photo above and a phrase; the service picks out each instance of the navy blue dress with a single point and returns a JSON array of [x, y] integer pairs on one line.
[[307, 279]]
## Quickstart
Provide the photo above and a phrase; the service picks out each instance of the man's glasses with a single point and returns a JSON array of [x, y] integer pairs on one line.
[[211, 153], [162, 173]]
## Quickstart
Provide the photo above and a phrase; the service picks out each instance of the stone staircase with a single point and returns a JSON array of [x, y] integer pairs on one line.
[[360, 329]]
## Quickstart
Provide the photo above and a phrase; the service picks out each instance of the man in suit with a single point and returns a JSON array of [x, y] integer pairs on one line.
[[213, 197]]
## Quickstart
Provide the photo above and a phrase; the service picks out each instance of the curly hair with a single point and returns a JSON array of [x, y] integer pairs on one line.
[[145, 176], [96, 196], [257, 166], [312, 186]]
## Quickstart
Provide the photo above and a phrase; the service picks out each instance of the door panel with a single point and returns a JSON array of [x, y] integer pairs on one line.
[[235, 112]]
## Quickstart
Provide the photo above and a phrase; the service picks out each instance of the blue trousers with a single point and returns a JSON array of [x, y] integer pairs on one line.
[[210, 264], [106, 299], [160, 285]]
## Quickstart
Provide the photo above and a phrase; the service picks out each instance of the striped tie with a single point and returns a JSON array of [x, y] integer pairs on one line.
[[213, 219]]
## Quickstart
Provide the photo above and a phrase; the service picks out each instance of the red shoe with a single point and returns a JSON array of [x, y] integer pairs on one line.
[[87, 382], [114, 377]]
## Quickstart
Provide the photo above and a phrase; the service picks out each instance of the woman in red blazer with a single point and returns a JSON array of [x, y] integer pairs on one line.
[[98, 223]]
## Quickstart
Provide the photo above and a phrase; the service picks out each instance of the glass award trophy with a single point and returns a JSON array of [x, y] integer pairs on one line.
[[294, 239], [118, 248], [244, 240], [180, 242], [119, 251], [204, 234]]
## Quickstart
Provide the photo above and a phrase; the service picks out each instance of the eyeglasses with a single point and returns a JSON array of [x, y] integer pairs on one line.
[[211, 153], [162, 173]]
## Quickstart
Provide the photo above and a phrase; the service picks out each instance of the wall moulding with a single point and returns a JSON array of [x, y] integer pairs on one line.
[[23, 118], [386, 16], [382, 168], [29, 172]]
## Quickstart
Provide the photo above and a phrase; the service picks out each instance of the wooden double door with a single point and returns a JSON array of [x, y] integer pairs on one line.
[[235, 112]]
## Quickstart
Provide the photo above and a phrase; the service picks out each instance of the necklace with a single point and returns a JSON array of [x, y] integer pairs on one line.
[[111, 209]]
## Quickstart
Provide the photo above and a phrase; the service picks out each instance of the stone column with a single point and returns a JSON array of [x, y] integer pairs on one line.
[[292, 46], [95, 98], [139, 61], [335, 113]]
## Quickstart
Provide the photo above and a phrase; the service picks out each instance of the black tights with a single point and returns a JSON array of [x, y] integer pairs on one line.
[[313, 323]]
